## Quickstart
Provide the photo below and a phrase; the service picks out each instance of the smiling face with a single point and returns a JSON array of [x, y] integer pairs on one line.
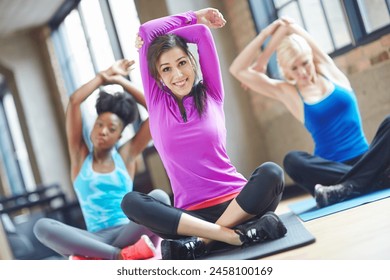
[[106, 131], [176, 71]]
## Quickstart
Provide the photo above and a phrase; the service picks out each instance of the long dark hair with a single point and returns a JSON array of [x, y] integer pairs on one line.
[[163, 44]]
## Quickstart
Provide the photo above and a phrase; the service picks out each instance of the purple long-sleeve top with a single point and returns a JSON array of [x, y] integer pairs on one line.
[[193, 151]]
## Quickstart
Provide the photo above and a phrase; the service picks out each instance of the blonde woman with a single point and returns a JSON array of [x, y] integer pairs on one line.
[[320, 96]]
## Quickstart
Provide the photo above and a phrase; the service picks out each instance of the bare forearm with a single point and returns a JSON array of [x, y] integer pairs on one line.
[[247, 56], [250, 56], [279, 34], [134, 91], [318, 53], [82, 93]]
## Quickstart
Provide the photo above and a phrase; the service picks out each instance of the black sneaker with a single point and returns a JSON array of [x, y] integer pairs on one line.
[[328, 195], [267, 227], [182, 249]]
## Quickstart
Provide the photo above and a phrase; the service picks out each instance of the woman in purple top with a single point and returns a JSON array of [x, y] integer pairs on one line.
[[213, 202]]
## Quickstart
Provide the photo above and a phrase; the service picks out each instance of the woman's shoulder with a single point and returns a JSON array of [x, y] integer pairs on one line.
[[289, 91], [334, 75]]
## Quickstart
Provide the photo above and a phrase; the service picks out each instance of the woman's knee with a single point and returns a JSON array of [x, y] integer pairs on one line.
[[273, 171], [293, 161], [43, 228], [264, 187], [276, 175], [386, 122], [134, 205], [160, 195], [387, 119], [131, 201], [268, 177]]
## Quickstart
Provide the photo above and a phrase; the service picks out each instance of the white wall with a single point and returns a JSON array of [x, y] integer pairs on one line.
[[20, 55]]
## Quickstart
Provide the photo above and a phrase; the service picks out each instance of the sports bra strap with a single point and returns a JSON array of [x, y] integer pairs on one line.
[[299, 92]]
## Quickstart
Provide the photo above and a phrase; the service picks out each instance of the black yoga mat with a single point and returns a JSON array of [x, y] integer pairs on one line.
[[296, 236]]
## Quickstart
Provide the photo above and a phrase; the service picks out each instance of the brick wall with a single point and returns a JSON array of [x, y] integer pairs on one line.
[[240, 22], [364, 57]]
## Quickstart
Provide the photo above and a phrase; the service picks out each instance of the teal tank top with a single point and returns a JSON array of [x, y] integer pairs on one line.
[[100, 194], [335, 125]]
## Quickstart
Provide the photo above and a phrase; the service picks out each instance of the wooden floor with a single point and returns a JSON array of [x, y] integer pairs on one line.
[[360, 233]]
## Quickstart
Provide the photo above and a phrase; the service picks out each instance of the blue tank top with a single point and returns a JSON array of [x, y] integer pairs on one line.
[[100, 194], [335, 125]]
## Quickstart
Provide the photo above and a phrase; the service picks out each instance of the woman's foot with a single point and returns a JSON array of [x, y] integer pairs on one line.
[[267, 227], [141, 250], [189, 248], [328, 195]]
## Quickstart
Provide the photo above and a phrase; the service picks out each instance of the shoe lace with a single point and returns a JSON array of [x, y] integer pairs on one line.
[[256, 235], [191, 245], [196, 248], [251, 235], [243, 237]]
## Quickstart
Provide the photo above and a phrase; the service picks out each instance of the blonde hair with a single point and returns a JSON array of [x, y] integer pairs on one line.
[[289, 49]]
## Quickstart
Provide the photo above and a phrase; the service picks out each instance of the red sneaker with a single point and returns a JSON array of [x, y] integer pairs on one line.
[[141, 250], [82, 258]]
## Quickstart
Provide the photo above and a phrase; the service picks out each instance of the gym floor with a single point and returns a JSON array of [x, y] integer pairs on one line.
[[360, 233]]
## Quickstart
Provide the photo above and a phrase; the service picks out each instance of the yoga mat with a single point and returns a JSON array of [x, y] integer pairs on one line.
[[296, 236], [307, 209]]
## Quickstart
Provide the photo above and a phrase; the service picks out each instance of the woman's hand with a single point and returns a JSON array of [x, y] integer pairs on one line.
[[287, 20], [260, 67], [271, 28], [210, 17], [117, 71], [288, 24], [139, 42]]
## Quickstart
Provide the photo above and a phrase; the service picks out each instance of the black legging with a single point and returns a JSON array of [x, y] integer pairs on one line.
[[262, 193], [366, 172]]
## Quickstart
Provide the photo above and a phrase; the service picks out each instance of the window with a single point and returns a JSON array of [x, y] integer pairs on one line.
[[127, 23], [89, 40], [337, 26], [375, 14], [14, 160]]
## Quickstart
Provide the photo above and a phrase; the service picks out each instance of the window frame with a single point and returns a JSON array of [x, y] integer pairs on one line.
[[351, 10]]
